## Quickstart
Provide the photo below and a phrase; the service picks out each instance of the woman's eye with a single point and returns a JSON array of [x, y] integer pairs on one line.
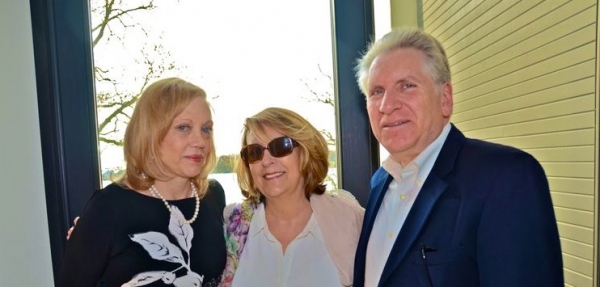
[[183, 128], [409, 85], [207, 130]]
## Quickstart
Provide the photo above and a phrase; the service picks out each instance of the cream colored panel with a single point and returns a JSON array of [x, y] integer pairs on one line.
[[441, 12], [555, 93], [487, 19], [534, 28], [577, 170], [581, 205], [573, 279], [490, 34], [550, 110], [564, 154], [525, 57], [573, 232], [581, 266], [562, 61], [464, 19], [574, 129], [578, 249], [575, 216], [524, 74], [551, 79], [572, 185]]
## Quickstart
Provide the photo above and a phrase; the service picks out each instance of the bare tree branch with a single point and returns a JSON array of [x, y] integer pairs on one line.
[[115, 95]]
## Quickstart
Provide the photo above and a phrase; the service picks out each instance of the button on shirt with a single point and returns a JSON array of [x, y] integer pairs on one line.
[[397, 202], [306, 261]]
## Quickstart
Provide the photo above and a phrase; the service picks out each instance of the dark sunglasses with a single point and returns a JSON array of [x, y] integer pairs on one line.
[[278, 147]]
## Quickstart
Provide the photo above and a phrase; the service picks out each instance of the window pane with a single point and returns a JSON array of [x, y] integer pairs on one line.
[[247, 55]]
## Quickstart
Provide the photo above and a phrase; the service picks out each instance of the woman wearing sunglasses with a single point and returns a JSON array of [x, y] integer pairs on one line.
[[289, 231], [161, 224]]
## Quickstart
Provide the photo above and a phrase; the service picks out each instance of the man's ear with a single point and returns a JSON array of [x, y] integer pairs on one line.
[[447, 99]]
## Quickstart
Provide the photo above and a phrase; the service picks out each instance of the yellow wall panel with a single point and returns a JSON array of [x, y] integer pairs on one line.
[[479, 27], [572, 185], [576, 170], [529, 30], [551, 110], [525, 74], [465, 101], [575, 216], [442, 12], [581, 205], [521, 56], [538, 70], [565, 154], [551, 94], [463, 19], [577, 233], [578, 249], [579, 265], [573, 279], [568, 130]]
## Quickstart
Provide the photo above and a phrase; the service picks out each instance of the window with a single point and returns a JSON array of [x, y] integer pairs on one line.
[[246, 57], [62, 49]]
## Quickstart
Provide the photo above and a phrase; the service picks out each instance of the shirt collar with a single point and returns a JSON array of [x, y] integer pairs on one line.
[[259, 225], [258, 222]]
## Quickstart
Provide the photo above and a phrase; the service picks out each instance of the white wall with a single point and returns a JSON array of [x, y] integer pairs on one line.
[[24, 241]]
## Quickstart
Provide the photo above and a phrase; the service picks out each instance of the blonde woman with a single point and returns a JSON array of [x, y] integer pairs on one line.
[[161, 224], [289, 231]]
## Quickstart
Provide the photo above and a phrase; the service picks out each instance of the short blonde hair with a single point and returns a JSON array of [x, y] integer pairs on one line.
[[314, 153], [436, 60], [150, 122]]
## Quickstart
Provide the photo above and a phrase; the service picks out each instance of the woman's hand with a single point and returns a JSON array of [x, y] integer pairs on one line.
[[72, 227]]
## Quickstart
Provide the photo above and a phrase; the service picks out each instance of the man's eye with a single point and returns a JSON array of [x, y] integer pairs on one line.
[[377, 92], [409, 85]]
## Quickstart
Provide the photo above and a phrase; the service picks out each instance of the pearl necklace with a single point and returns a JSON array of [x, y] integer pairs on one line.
[[181, 219]]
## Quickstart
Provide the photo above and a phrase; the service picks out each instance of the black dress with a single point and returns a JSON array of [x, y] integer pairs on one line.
[[127, 237]]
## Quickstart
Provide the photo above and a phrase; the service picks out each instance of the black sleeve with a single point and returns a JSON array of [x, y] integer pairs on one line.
[[89, 247], [518, 236], [216, 195]]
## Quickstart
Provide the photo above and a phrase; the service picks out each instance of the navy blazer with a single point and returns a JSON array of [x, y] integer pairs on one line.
[[483, 217]]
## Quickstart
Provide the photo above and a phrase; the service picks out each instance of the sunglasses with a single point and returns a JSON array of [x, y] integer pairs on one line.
[[278, 147]]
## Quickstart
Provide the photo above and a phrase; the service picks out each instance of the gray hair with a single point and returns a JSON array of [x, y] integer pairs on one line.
[[436, 61]]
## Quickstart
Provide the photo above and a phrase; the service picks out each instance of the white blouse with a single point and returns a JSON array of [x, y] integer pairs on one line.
[[306, 261]]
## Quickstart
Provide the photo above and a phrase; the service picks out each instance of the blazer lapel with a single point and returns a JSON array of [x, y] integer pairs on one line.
[[431, 191], [379, 183], [414, 223]]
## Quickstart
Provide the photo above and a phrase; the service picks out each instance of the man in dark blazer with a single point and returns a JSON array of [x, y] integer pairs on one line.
[[445, 210]]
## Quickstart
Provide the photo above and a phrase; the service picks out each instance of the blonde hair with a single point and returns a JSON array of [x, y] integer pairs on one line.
[[152, 117], [314, 153], [436, 60]]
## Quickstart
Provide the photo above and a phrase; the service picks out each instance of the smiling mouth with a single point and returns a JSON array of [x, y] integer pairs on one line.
[[273, 175], [195, 158], [395, 124]]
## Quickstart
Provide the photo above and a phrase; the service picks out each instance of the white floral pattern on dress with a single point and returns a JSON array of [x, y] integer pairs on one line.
[[160, 248]]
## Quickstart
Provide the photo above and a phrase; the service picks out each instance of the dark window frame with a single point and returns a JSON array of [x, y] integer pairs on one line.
[[68, 127]]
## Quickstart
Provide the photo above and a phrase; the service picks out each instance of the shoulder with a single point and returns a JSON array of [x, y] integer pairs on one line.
[[336, 201], [230, 208], [476, 151], [245, 208], [486, 152], [105, 205], [215, 193], [111, 194]]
